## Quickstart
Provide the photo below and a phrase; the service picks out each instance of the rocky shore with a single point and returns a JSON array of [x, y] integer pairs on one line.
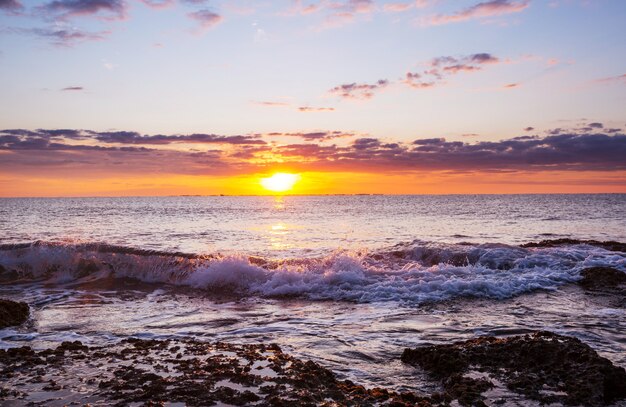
[[543, 367], [13, 313]]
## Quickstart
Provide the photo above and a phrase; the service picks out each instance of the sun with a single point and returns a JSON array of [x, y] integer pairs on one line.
[[280, 182]]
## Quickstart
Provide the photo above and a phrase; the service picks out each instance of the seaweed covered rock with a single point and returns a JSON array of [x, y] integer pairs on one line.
[[153, 372], [607, 245], [12, 313], [542, 366], [602, 277]]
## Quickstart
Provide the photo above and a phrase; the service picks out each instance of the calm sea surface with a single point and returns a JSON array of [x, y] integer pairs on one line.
[[311, 225]]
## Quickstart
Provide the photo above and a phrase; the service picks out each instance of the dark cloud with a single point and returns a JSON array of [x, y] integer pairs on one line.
[[529, 128], [129, 137], [106, 9], [438, 70], [10, 6], [595, 125], [359, 90], [485, 9], [73, 88], [565, 151], [451, 65], [205, 18]]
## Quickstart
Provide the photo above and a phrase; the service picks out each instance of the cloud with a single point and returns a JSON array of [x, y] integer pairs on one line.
[[73, 88], [64, 37], [529, 128], [307, 109], [158, 4], [315, 136], [105, 9], [485, 9], [270, 103], [336, 13], [359, 90], [437, 71], [404, 6], [511, 86], [43, 150], [206, 19], [613, 79], [576, 152], [397, 7], [10, 6], [130, 137]]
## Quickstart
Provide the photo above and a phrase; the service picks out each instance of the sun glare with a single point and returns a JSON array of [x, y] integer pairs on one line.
[[280, 182]]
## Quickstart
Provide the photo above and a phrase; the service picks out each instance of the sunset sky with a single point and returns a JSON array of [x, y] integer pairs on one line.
[[166, 97]]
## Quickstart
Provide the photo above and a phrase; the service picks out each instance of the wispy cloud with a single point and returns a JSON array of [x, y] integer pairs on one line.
[[481, 10], [315, 136], [205, 18], [359, 90], [63, 37], [613, 79], [270, 103], [336, 13], [315, 109], [72, 88], [435, 74], [158, 4], [399, 7]]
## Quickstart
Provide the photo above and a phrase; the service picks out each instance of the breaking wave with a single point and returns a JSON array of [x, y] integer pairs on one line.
[[413, 273]]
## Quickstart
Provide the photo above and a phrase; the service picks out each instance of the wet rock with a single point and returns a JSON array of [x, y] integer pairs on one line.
[[542, 366], [147, 372], [7, 275], [601, 277], [607, 245], [12, 313]]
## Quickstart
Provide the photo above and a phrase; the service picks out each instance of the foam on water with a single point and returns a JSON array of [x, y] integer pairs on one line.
[[410, 273]]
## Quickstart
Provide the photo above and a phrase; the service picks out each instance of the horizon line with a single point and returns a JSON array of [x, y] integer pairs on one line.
[[300, 195]]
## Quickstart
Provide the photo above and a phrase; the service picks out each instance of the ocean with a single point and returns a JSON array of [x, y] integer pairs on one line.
[[347, 281]]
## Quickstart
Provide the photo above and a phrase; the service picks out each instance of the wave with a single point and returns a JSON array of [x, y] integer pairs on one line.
[[413, 273]]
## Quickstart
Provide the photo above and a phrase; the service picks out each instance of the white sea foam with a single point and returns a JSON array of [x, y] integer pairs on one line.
[[416, 273]]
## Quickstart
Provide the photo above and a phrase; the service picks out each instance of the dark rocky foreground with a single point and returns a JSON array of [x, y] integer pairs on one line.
[[150, 372], [542, 367], [12, 313]]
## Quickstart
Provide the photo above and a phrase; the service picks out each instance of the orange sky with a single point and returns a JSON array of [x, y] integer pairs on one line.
[[318, 183]]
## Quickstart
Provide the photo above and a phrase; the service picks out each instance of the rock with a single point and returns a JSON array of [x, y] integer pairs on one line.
[[12, 313], [601, 277], [608, 245], [206, 374], [542, 366]]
